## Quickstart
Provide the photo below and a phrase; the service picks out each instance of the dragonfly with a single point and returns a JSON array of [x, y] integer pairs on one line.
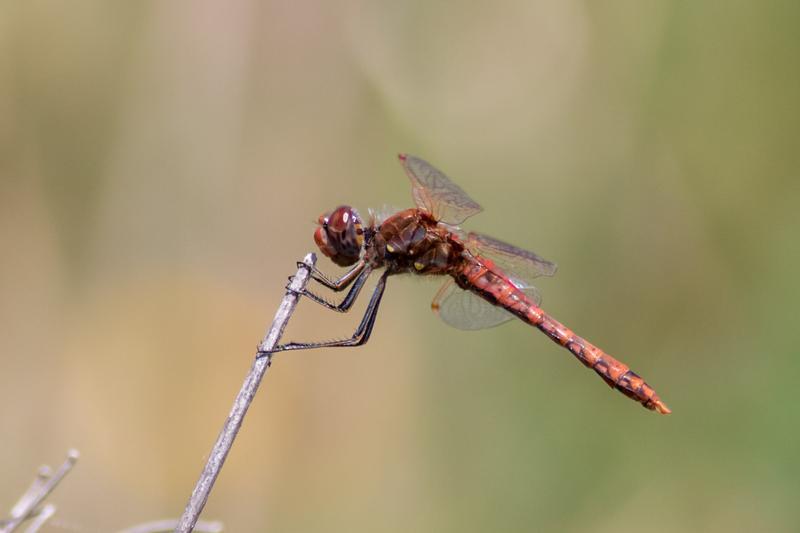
[[487, 281]]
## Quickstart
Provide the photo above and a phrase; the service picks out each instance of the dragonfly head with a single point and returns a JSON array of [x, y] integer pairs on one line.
[[340, 235]]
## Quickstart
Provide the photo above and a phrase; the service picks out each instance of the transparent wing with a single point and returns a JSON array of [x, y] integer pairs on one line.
[[436, 194], [464, 310], [520, 265]]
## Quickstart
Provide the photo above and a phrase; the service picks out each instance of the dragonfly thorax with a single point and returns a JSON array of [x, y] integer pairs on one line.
[[340, 235]]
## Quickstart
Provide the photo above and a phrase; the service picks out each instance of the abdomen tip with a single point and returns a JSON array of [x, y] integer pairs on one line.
[[662, 408]]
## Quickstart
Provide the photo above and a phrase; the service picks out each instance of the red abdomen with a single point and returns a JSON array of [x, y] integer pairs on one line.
[[482, 277]]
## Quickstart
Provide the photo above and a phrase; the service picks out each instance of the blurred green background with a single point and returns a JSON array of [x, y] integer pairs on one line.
[[161, 166]]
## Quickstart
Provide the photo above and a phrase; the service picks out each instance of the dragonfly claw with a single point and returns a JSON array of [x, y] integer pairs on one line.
[[294, 291], [268, 354], [261, 352]]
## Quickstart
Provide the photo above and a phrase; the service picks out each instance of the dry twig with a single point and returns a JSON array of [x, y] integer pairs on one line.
[[231, 427], [41, 487], [40, 517], [165, 526]]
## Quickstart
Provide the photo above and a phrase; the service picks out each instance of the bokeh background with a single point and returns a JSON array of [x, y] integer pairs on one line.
[[161, 166]]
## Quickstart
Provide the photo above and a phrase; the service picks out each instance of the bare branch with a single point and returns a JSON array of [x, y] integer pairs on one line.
[[41, 487], [44, 473], [164, 526], [42, 516], [231, 427]]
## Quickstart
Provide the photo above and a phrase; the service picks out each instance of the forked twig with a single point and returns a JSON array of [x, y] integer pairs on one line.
[[28, 505], [38, 519], [231, 427]]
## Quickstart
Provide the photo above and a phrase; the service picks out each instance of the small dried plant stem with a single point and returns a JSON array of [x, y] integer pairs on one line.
[[231, 427], [42, 486], [167, 525], [38, 520]]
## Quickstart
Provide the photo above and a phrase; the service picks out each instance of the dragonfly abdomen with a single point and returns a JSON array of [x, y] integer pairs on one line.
[[481, 277], [617, 374]]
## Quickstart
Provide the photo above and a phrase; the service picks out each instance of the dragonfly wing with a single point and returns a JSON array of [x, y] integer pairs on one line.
[[464, 310], [520, 265], [436, 194]]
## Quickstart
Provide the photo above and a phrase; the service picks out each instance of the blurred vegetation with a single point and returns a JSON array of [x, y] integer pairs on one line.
[[161, 166]]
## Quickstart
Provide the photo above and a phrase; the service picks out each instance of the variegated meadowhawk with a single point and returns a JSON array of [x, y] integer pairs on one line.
[[488, 281]]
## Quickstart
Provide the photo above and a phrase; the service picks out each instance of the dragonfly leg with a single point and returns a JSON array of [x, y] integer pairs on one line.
[[361, 335], [336, 285], [348, 300]]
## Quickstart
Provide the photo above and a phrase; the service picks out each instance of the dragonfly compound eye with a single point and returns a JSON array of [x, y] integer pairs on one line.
[[341, 236]]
